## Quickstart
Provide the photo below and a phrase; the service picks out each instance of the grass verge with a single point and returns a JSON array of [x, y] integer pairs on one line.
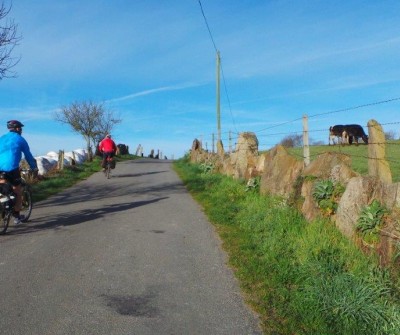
[[300, 277]]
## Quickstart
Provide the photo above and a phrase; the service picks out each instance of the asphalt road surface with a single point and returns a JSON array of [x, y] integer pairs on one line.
[[130, 255]]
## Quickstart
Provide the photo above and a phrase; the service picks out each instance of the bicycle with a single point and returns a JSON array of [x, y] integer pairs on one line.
[[8, 197], [110, 164]]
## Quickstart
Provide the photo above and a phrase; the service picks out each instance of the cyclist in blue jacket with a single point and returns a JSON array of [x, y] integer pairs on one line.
[[12, 145]]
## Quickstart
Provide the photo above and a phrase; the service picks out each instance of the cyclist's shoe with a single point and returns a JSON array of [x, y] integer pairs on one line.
[[18, 219]]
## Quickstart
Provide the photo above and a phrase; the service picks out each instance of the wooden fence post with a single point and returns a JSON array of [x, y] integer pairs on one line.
[[60, 160], [306, 147]]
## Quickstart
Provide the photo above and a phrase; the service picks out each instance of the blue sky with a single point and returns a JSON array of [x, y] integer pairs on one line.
[[153, 64]]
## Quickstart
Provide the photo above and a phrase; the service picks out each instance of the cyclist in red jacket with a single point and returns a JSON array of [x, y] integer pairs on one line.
[[108, 148]]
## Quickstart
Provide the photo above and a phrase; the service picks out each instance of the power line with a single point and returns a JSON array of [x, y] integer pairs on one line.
[[222, 71], [357, 107], [332, 112], [227, 96], [209, 31]]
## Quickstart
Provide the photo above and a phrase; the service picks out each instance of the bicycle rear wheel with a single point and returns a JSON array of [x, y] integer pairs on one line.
[[26, 203], [4, 220], [108, 171]]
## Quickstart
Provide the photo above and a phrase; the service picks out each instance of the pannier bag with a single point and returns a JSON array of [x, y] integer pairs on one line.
[[5, 189]]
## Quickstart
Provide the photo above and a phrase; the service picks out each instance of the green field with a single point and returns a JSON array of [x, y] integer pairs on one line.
[[358, 155]]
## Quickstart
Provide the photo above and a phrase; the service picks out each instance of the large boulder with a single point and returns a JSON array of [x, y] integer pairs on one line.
[[309, 207], [360, 192], [245, 157], [197, 154], [280, 172], [220, 149], [227, 166], [330, 165]]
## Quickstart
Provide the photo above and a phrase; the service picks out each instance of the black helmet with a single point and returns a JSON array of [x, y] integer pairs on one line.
[[13, 124]]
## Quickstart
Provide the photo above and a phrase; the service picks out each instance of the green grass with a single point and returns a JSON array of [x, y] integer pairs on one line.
[[358, 154], [301, 277], [57, 181]]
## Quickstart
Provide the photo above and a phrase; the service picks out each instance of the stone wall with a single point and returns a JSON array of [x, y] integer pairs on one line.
[[280, 173]]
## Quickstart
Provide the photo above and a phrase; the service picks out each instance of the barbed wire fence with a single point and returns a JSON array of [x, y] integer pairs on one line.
[[298, 129]]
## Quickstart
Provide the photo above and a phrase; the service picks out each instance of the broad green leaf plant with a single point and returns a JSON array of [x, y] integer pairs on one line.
[[327, 194]]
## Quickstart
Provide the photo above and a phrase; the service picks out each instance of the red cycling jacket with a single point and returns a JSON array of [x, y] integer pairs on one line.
[[107, 145]]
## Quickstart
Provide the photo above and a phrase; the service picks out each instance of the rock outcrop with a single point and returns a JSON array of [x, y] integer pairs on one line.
[[244, 159], [280, 171]]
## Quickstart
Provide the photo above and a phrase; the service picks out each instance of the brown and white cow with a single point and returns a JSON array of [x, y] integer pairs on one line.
[[337, 133], [346, 134]]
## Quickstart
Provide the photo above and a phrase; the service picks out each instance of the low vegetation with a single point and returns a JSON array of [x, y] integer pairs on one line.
[[327, 195], [301, 277]]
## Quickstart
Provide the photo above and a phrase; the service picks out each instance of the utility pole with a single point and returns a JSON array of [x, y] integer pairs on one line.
[[218, 97]]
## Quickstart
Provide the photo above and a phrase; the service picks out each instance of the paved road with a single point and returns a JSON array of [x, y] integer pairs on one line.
[[129, 255]]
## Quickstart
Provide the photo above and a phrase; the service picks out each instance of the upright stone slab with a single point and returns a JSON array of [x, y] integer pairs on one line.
[[280, 172], [377, 164], [196, 151], [220, 149], [246, 154]]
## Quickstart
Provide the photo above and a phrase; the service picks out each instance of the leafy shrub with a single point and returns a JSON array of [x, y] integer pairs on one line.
[[327, 195], [371, 218], [207, 168], [253, 184]]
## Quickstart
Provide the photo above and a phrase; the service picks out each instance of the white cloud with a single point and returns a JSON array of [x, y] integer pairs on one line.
[[153, 91]]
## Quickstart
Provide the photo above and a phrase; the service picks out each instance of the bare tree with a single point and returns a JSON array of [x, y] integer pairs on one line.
[[8, 40], [88, 119], [105, 125], [291, 141], [390, 135]]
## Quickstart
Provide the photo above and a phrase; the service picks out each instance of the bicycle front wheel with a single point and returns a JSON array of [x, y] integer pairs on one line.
[[26, 203], [4, 220]]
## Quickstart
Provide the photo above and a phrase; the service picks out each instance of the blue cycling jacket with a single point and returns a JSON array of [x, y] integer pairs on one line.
[[12, 145]]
